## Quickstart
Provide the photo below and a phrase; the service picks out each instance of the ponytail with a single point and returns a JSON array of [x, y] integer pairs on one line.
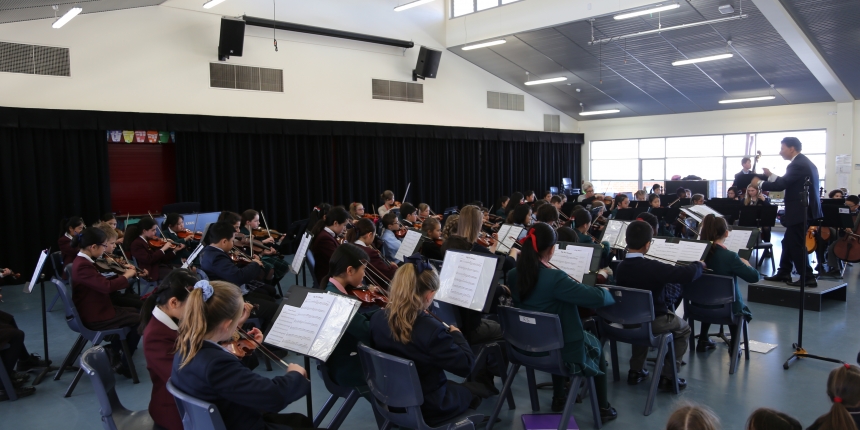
[[207, 306], [406, 299], [843, 388], [539, 239], [176, 284], [712, 229]]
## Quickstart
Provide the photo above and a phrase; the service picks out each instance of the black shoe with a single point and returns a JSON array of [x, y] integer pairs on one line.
[[21, 392], [608, 413], [835, 273], [634, 377], [810, 283], [123, 370], [558, 404], [34, 360], [705, 344], [779, 277], [475, 403], [19, 379], [666, 384]]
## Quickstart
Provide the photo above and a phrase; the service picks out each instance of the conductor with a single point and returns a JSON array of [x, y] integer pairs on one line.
[[797, 173]]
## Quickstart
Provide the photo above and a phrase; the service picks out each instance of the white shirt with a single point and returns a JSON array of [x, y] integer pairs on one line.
[[70, 236], [81, 254], [745, 171], [164, 318], [331, 232], [360, 242]]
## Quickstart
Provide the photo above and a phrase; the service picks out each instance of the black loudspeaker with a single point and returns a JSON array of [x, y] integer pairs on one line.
[[428, 63], [232, 38]]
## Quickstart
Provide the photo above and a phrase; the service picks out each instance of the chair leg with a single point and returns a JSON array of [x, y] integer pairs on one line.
[[53, 302], [733, 355], [658, 370], [571, 400], [613, 348], [530, 377], [746, 338], [506, 389], [341, 414], [693, 336], [129, 361], [6, 383], [324, 411], [70, 357], [74, 382], [772, 263], [595, 406], [671, 345]]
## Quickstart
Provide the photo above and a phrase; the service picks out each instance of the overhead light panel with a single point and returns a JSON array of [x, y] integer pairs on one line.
[[647, 11], [546, 81], [599, 112], [61, 21], [411, 5], [212, 3], [702, 59], [750, 99], [484, 45]]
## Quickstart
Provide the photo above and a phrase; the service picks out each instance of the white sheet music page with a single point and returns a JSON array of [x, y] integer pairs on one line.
[[575, 260], [299, 258], [691, 251], [279, 333], [663, 251], [193, 256], [510, 236], [465, 279], [705, 210], [408, 245], [737, 240], [615, 233], [39, 265], [503, 234]]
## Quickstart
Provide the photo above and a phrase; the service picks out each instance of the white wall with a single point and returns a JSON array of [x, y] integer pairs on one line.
[[156, 59]]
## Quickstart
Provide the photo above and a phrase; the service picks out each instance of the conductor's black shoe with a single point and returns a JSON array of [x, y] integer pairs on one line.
[[634, 377], [810, 283], [558, 404], [779, 277], [835, 273], [705, 344], [21, 392], [666, 384], [608, 413]]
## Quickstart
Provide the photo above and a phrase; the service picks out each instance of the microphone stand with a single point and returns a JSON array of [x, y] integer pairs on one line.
[[799, 351]]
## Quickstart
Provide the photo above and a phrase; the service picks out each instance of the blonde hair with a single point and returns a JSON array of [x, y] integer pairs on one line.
[[199, 317], [639, 194], [450, 225], [430, 224], [109, 231], [747, 194], [406, 300], [471, 220], [691, 416], [352, 209], [842, 384]]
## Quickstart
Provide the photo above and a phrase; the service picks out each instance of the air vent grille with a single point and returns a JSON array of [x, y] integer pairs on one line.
[[245, 78], [551, 123], [506, 101], [34, 59], [397, 91]]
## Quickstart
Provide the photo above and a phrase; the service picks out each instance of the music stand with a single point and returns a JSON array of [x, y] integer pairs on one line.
[[38, 275], [629, 214], [836, 217]]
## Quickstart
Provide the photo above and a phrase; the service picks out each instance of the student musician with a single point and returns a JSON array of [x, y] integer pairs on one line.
[[387, 199], [154, 261], [635, 271], [206, 371], [251, 222], [582, 225], [725, 263], [241, 243], [621, 201], [547, 196], [424, 212], [639, 195], [746, 175], [356, 210], [362, 234], [521, 216], [664, 228], [469, 226], [316, 219], [173, 224], [732, 193], [697, 199], [16, 353], [432, 228], [325, 242], [530, 197], [653, 201], [450, 227], [556, 202], [515, 200], [390, 243], [657, 189], [129, 298], [834, 265], [91, 295], [501, 204], [408, 215], [71, 228], [842, 390], [110, 219], [406, 329], [538, 287], [754, 197]]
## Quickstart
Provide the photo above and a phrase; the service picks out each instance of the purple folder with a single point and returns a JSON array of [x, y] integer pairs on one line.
[[546, 422]]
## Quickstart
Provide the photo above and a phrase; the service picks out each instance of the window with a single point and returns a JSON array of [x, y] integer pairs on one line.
[[628, 165], [465, 7]]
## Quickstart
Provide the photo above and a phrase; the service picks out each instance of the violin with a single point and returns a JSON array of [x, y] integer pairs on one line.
[[239, 346], [257, 246], [485, 240], [368, 297], [400, 234], [13, 275], [116, 266], [188, 234], [418, 225], [438, 242], [158, 243], [261, 232], [397, 204], [239, 257], [372, 217]]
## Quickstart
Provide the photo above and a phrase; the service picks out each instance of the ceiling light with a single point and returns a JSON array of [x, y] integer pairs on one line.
[[599, 112], [702, 59], [411, 5], [546, 81], [751, 99], [648, 11], [73, 12], [212, 3], [484, 45]]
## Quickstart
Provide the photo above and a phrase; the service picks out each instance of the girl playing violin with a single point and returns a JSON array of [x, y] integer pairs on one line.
[[582, 224], [172, 226], [432, 248], [325, 242], [424, 213], [242, 242], [387, 199], [71, 228], [110, 219], [356, 210], [362, 235], [521, 216], [316, 219], [129, 298], [390, 243], [155, 261], [501, 204], [206, 371], [251, 222]]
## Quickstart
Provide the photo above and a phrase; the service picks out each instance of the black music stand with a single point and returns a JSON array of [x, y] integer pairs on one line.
[[629, 214], [759, 216], [728, 207], [29, 289], [836, 217]]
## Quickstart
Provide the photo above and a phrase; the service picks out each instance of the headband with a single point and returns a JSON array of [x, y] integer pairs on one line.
[[208, 291]]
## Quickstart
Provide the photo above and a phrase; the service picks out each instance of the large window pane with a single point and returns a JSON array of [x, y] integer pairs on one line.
[[652, 148], [706, 168], [614, 149], [462, 7], [614, 187], [819, 162], [773, 162], [486, 4], [654, 170], [736, 144], [814, 141], [694, 146], [615, 169]]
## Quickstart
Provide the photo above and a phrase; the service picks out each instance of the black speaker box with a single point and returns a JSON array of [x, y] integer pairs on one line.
[[232, 38], [428, 63]]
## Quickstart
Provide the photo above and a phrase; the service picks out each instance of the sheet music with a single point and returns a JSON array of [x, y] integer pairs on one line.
[[703, 210], [465, 279], [41, 263], [691, 251], [503, 234], [299, 258], [279, 333], [616, 234], [663, 251], [512, 235], [301, 325], [737, 240], [193, 256], [342, 311], [575, 260], [408, 245]]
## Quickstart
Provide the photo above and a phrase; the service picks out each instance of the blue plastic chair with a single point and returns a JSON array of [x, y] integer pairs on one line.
[[311, 262], [629, 321], [6, 380], [709, 299], [86, 335], [196, 414], [540, 334], [114, 415], [57, 263], [202, 275], [142, 284], [350, 396], [396, 390]]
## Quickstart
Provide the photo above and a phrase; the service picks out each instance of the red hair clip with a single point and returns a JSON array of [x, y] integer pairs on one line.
[[847, 366], [837, 399]]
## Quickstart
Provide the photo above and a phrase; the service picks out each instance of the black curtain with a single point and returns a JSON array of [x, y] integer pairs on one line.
[[48, 175]]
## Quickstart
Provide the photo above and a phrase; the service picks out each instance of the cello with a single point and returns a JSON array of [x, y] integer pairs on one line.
[[847, 248]]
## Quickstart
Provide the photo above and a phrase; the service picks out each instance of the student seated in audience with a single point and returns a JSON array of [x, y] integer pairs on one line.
[[390, 243], [843, 389], [769, 419], [635, 271], [362, 235], [71, 229], [91, 295], [406, 329], [536, 286], [16, 354], [325, 242], [154, 261], [206, 371], [431, 228], [173, 224], [251, 222], [693, 417]]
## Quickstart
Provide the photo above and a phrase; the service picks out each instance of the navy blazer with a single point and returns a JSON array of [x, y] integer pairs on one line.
[[214, 375], [644, 274], [434, 352], [795, 175], [218, 266]]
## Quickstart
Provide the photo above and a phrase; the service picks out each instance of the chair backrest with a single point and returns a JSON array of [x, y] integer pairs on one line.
[[330, 385], [553, 190], [96, 364], [196, 414], [534, 339], [566, 183], [710, 299], [68, 270], [629, 319], [72, 317], [394, 383], [57, 263], [202, 274]]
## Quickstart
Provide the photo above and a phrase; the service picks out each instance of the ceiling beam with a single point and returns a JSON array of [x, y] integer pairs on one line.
[[785, 25]]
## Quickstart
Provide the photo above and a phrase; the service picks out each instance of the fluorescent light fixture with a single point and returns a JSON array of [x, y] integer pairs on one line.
[[546, 81], [73, 12], [599, 112], [484, 45], [411, 5], [702, 59], [648, 11], [212, 3], [751, 99]]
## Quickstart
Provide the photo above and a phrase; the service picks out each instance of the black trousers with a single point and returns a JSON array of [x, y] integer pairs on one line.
[[11, 335], [794, 251]]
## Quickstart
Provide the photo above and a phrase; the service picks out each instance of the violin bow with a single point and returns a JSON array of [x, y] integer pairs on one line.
[[196, 218], [267, 225], [407, 191], [159, 229], [369, 267], [447, 327], [271, 355]]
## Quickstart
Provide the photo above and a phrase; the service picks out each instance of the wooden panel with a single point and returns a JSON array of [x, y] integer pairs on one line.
[[142, 176]]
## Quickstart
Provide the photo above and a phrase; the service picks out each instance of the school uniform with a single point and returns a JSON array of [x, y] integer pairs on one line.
[[430, 250], [378, 264], [854, 412], [218, 266], [184, 252], [159, 343], [154, 261], [11, 335], [390, 245], [343, 363], [434, 352], [605, 251], [727, 263], [277, 263], [68, 252], [323, 247]]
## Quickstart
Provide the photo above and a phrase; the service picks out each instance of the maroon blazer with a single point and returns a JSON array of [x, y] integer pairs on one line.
[[68, 251], [91, 291], [159, 341], [323, 248], [148, 258], [379, 266]]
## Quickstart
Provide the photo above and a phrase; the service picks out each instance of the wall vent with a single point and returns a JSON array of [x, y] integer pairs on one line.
[[34, 59], [551, 123], [505, 101], [236, 77], [397, 91]]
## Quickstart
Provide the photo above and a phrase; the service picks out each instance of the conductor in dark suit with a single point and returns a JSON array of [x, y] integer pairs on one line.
[[796, 174], [746, 175]]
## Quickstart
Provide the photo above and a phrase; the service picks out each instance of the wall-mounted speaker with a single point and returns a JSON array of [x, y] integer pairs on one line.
[[232, 38], [428, 63]]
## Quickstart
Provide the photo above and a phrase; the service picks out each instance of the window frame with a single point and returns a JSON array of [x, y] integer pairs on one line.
[[475, 7]]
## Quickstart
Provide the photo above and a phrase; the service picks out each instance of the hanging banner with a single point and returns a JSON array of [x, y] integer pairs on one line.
[[128, 136]]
